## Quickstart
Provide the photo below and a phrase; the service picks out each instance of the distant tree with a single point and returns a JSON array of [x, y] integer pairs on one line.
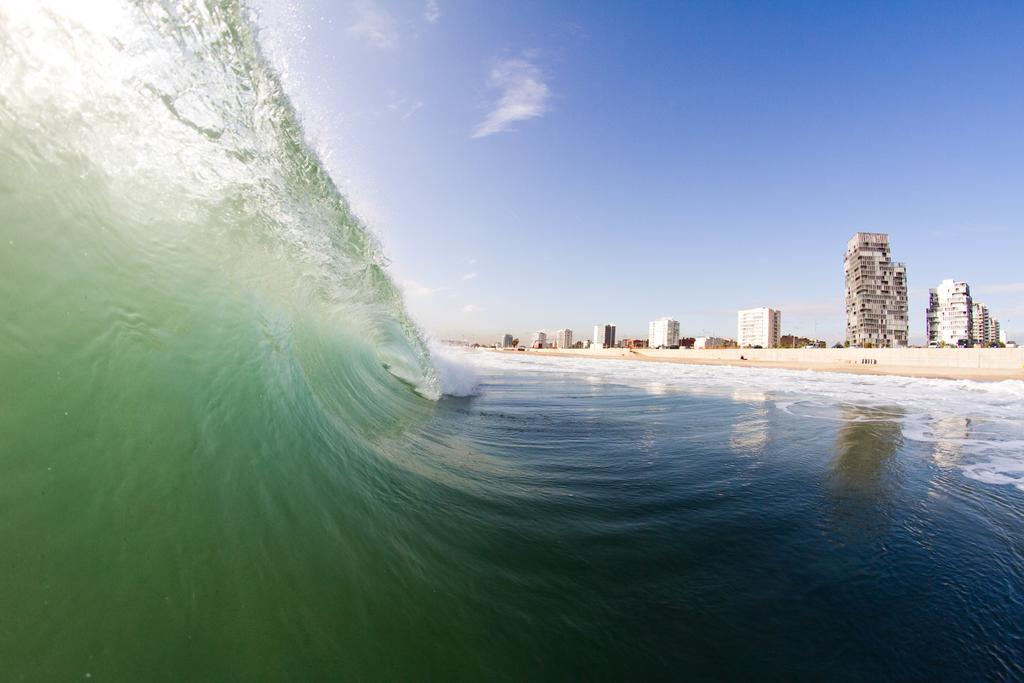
[[515, 342]]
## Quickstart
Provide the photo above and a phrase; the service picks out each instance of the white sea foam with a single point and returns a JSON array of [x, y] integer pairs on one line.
[[455, 370], [982, 422]]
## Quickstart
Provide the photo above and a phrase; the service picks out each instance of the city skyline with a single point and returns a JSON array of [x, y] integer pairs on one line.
[[536, 165], [876, 310]]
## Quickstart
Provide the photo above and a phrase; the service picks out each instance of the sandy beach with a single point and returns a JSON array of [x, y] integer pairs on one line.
[[831, 360]]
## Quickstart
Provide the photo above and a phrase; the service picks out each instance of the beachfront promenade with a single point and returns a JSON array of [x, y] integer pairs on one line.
[[975, 363]]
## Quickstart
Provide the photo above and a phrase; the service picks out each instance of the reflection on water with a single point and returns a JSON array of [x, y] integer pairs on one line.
[[863, 474], [865, 445], [950, 433], [657, 388], [750, 431]]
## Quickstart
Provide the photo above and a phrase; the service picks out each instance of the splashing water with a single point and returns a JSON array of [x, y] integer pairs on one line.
[[155, 175], [225, 453]]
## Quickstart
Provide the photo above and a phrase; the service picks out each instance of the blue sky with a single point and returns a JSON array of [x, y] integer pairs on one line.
[[534, 166]]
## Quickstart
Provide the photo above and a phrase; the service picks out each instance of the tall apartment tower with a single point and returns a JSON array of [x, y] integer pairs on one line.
[[563, 339], [759, 327], [604, 336], [506, 341], [985, 328], [950, 314], [540, 340], [663, 333], [876, 293]]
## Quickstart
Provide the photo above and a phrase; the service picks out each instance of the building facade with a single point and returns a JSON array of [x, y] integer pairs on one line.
[[604, 336], [950, 314], [759, 327], [506, 341], [984, 328], [663, 333], [876, 293], [711, 343], [563, 339], [540, 340]]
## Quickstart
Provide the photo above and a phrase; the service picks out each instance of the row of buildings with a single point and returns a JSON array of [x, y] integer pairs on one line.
[[955, 319], [756, 327], [877, 307], [877, 313]]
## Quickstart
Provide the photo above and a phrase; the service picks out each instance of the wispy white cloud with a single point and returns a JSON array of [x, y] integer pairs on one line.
[[402, 104], [471, 308], [413, 108], [374, 25], [414, 289], [469, 276], [432, 12], [524, 95]]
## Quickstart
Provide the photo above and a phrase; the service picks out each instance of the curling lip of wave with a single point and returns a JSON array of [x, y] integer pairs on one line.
[[175, 119]]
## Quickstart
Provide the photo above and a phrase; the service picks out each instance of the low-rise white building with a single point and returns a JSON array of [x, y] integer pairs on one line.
[[663, 333], [710, 343], [759, 327]]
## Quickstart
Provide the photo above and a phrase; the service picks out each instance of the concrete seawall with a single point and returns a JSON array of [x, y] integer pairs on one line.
[[987, 363]]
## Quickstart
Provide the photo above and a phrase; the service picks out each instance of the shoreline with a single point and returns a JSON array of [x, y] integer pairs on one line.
[[691, 357]]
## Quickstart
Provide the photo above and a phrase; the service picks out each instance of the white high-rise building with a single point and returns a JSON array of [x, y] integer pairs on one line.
[[540, 340], [604, 336], [563, 339], [876, 293], [1002, 337], [663, 333], [950, 314], [759, 327]]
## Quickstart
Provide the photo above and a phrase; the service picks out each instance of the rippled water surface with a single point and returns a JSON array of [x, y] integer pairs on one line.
[[227, 454], [571, 518]]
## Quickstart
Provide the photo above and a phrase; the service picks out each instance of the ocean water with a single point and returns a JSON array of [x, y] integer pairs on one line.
[[226, 452]]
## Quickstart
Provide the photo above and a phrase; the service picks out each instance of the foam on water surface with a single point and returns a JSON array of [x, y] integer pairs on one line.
[[982, 420]]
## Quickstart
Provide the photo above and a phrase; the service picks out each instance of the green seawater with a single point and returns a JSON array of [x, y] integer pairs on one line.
[[202, 361], [225, 454]]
